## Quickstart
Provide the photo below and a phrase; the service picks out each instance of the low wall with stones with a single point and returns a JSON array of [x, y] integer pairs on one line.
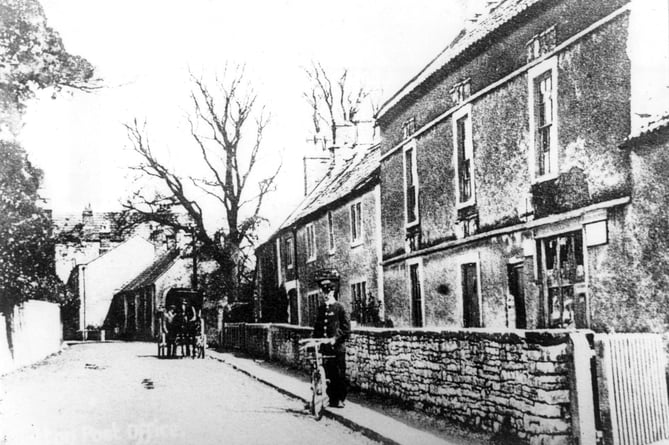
[[521, 382]]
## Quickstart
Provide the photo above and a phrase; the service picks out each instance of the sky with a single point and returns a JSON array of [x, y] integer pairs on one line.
[[144, 50]]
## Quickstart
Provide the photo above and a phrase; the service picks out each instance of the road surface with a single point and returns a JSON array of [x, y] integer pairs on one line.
[[120, 393]]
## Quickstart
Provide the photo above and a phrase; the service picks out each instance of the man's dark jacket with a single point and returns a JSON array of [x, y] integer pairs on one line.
[[333, 322]]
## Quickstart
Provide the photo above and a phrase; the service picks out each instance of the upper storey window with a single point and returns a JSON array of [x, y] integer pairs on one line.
[[461, 91], [543, 120], [541, 44], [464, 155], [311, 242], [410, 185], [408, 127]]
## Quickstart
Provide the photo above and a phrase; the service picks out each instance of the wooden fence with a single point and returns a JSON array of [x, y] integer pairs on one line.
[[633, 388]]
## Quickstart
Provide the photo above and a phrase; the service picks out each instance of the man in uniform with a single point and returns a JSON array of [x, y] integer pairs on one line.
[[333, 322]]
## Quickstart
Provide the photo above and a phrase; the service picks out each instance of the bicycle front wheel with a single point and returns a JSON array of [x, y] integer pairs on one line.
[[318, 393]]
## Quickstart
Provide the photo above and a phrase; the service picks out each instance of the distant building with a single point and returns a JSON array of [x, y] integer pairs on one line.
[[132, 314], [334, 230], [95, 283], [83, 237]]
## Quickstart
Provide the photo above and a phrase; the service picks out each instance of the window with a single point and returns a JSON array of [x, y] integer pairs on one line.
[[416, 295], [461, 91], [562, 271], [312, 307], [541, 44], [543, 120], [278, 260], [331, 239], [410, 185], [356, 223], [359, 301], [464, 156], [290, 253], [408, 128], [471, 307], [311, 242]]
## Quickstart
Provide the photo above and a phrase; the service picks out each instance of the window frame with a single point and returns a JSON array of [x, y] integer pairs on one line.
[[356, 235], [534, 76], [418, 263], [414, 173], [311, 242], [357, 286], [331, 238], [464, 112], [290, 252], [472, 258]]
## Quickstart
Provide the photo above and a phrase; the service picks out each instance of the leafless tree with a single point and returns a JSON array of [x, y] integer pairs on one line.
[[226, 126], [332, 103]]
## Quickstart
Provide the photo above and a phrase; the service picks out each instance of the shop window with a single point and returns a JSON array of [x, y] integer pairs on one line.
[[563, 278]]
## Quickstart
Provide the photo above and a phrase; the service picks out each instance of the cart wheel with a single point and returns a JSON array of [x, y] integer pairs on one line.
[[318, 393]]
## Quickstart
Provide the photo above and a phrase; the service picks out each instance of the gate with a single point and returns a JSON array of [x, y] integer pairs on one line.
[[632, 388]]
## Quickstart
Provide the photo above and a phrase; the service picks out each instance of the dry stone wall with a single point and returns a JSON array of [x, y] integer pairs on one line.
[[520, 382]]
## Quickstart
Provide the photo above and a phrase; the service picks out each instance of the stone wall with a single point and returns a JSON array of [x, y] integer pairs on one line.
[[518, 381], [35, 333]]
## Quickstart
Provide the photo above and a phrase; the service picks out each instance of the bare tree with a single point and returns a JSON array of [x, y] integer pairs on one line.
[[332, 103], [225, 114]]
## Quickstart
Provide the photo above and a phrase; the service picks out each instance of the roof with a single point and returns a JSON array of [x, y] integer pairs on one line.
[[647, 133], [92, 227], [502, 13], [153, 272], [352, 175]]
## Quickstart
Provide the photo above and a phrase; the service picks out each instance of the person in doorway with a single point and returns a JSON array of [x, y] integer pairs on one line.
[[333, 322]]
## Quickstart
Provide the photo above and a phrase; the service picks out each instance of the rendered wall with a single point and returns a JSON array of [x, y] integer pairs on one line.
[[36, 332], [104, 276]]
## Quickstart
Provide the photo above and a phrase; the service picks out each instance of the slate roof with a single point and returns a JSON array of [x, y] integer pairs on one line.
[[100, 223], [353, 174], [647, 133], [502, 13], [153, 272]]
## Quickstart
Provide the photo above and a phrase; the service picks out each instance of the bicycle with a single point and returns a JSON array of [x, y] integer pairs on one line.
[[318, 379]]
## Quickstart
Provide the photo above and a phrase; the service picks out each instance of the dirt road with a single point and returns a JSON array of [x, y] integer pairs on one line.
[[120, 393]]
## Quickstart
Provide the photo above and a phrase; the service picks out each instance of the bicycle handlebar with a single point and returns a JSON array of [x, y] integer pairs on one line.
[[313, 342]]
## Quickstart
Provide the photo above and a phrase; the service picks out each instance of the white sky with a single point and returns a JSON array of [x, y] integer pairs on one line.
[[143, 49]]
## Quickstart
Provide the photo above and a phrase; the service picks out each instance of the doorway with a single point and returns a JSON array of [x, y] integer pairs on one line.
[[515, 308]]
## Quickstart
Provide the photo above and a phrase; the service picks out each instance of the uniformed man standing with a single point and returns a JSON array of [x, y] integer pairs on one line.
[[333, 322]]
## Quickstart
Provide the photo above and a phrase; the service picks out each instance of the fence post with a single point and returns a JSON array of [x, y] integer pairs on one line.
[[269, 342], [582, 401]]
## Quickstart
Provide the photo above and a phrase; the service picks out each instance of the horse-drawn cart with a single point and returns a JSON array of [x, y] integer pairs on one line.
[[182, 325]]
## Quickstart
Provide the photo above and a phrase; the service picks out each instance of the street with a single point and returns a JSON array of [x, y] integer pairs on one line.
[[120, 393]]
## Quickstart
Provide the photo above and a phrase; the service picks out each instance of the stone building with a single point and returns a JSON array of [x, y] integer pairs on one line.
[[334, 231], [506, 198], [133, 311], [80, 238]]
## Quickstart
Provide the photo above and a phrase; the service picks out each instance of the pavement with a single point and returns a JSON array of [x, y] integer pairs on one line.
[[372, 423]]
